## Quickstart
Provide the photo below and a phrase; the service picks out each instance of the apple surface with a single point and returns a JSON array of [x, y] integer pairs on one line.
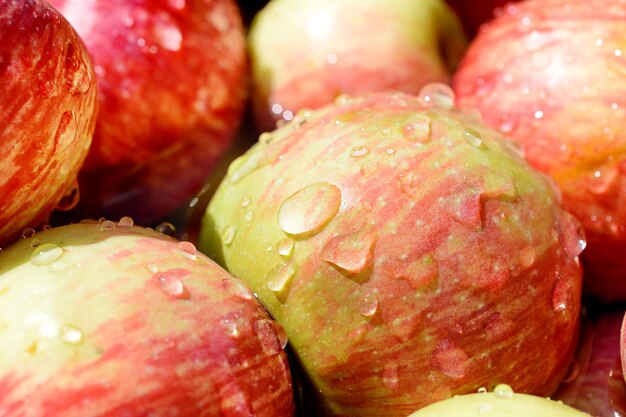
[[550, 74], [47, 114], [305, 53], [408, 251], [107, 319], [172, 82]]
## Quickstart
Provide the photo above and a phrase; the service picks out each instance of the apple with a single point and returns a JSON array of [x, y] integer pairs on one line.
[[409, 252], [503, 402], [305, 53], [172, 83], [47, 114], [109, 319], [473, 13], [550, 74]]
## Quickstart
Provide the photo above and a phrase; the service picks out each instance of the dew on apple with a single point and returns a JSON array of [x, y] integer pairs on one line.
[[359, 151], [285, 247], [472, 136], [249, 216], [152, 268], [28, 233], [266, 334], [368, 305], [171, 285], [245, 201], [46, 254], [187, 250], [307, 211], [390, 376], [450, 359], [437, 95], [228, 235], [503, 391], [125, 222], [34, 243], [231, 327], [350, 253], [279, 277], [390, 151], [166, 228], [71, 335], [418, 130], [107, 226]]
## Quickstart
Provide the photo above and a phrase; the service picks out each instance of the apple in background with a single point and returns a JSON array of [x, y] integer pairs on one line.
[[47, 113], [172, 82], [596, 383], [410, 253], [305, 53], [473, 13], [109, 319], [550, 74]]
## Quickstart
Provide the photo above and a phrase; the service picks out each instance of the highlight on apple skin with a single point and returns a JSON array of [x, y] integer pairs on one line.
[[409, 252], [304, 53], [47, 114], [109, 319], [172, 82], [550, 74]]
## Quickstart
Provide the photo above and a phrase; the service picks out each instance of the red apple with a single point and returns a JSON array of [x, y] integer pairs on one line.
[[109, 320], [408, 251], [306, 53], [596, 382], [551, 75], [172, 83], [47, 113], [473, 13]]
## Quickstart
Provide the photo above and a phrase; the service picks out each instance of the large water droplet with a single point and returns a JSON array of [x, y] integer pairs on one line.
[[171, 285], [279, 277], [46, 254], [450, 360], [126, 221], [472, 136], [390, 376], [351, 253], [107, 225], [306, 212], [418, 129], [285, 248], [437, 95], [266, 334], [71, 335], [187, 250], [231, 327], [572, 235], [368, 305], [503, 391]]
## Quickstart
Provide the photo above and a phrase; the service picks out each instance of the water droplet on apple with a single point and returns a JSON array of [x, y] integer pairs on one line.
[[482, 390], [390, 376], [171, 285], [28, 233], [281, 335], [437, 95], [572, 235], [472, 136], [125, 222], [228, 235], [237, 288], [77, 72], [71, 335], [351, 253], [359, 151], [170, 36], [306, 212], [279, 277], [166, 228], [107, 225], [46, 254], [285, 247], [266, 334], [266, 138], [390, 151], [249, 216], [245, 202], [450, 359], [368, 305], [152, 268], [562, 295], [70, 199], [418, 130], [231, 327], [527, 256], [503, 391], [34, 243], [187, 250]]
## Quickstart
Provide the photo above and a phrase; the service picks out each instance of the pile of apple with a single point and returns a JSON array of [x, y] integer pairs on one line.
[[431, 223]]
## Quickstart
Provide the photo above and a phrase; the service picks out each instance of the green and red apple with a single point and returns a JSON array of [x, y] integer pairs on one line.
[[106, 319], [304, 53], [172, 82], [47, 114], [409, 252], [550, 74]]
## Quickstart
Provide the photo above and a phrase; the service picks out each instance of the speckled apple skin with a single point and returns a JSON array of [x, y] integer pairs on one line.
[[409, 253], [172, 78], [130, 322], [550, 74], [47, 113]]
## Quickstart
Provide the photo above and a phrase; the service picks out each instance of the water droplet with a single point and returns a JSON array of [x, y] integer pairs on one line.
[[418, 130], [71, 335], [450, 360], [351, 253], [390, 376], [28, 233], [266, 334], [126, 222], [359, 151], [572, 234], [47, 227], [482, 390], [281, 335], [170, 36], [46, 254], [306, 212], [228, 234], [152, 268], [171, 285], [231, 327], [285, 248], [166, 228], [237, 288], [266, 138], [34, 243], [279, 277], [248, 217], [368, 305], [527, 256], [107, 225], [188, 250], [245, 202], [437, 95], [390, 151], [472, 136], [503, 391], [562, 296], [70, 198]]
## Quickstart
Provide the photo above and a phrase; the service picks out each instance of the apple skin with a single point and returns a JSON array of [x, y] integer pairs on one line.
[[549, 74], [501, 403], [403, 272], [172, 82], [47, 113], [595, 383], [304, 54], [125, 321]]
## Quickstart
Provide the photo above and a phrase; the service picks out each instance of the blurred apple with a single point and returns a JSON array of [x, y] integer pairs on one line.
[[47, 113], [473, 13], [596, 382], [305, 53], [172, 81], [410, 253], [551, 75], [109, 319]]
